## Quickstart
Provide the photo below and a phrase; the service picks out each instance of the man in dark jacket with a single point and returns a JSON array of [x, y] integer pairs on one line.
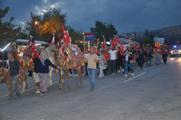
[[36, 62], [43, 69], [14, 68]]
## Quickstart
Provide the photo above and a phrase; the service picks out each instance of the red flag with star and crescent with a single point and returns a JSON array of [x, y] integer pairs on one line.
[[104, 43], [66, 37], [115, 41]]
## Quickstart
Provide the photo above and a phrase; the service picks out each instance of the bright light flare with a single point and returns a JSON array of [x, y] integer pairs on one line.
[[36, 22], [174, 46], [2, 50]]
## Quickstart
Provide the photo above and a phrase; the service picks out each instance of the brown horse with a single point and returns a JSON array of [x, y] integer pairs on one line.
[[26, 65], [67, 60], [6, 78]]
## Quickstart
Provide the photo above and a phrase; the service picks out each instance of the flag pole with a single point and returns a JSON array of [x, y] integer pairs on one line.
[[84, 41]]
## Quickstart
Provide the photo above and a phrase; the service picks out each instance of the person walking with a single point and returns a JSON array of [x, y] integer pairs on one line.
[[86, 54], [128, 65], [14, 68], [157, 57], [102, 64], [149, 56], [36, 63], [119, 60], [164, 55], [141, 58], [44, 70], [113, 57], [92, 60]]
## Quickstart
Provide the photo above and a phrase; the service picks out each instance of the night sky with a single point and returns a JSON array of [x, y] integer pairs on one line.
[[126, 15]]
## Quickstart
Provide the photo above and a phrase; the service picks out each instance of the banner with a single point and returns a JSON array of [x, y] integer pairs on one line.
[[89, 36]]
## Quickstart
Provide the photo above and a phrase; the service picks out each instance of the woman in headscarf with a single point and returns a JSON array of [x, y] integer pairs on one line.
[[44, 65]]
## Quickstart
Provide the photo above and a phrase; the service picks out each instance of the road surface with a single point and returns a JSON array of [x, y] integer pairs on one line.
[[152, 94]]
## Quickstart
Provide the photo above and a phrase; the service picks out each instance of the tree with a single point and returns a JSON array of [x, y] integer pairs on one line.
[[77, 37], [148, 37], [44, 26], [108, 30], [8, 31]]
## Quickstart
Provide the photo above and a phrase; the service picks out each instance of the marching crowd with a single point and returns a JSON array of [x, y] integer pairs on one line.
[[107, 61], [118, 60]]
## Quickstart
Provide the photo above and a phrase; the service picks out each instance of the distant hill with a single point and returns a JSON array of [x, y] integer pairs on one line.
[[172, 34]]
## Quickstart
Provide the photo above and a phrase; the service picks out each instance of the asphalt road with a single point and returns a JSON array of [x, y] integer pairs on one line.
[[152, 94]]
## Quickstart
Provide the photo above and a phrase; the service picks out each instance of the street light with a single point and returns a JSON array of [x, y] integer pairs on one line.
[[36, 22]]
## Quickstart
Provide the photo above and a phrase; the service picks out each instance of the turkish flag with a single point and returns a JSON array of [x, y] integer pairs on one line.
[[66, 37], [115, 41], [106, 56], [104, 44]]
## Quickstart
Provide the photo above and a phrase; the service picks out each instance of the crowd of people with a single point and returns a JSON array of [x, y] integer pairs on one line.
[[109, 61], [117, 59]]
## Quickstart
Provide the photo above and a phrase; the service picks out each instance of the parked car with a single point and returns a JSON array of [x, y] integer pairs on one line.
[[20, 43], [175, 51]]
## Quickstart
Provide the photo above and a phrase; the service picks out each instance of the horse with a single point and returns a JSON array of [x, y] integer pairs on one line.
[[68, 60], [26, 67], [6, 78], [50, 50]]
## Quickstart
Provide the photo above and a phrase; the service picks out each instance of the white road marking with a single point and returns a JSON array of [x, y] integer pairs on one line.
[[139, 75], [2, 96]]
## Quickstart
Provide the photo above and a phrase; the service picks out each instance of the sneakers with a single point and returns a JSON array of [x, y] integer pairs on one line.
[[50, 83], [42, 94], [126, 75], [37, 92], [100, 76], [113, 74]]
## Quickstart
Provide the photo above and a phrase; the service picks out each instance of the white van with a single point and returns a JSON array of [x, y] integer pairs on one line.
[[21, 43]]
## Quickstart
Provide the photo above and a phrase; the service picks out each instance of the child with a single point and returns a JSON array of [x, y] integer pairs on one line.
[[14, 68], [102, 65]]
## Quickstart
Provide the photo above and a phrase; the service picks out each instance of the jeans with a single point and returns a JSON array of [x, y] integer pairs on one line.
[[16, 86], [158, 61], [164, 57], [148, 63], [101, 71], [92, 77], [128, 66]]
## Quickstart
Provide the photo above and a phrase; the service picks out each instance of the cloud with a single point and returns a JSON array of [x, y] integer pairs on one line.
[[45, 1], [22, 24], [45, 6], [126, 15]]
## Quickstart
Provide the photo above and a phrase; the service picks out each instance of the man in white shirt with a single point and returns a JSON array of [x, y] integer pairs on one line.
[[113, 57]]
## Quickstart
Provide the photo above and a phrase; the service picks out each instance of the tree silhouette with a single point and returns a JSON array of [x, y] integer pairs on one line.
[[8, 31], [104, 29]]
